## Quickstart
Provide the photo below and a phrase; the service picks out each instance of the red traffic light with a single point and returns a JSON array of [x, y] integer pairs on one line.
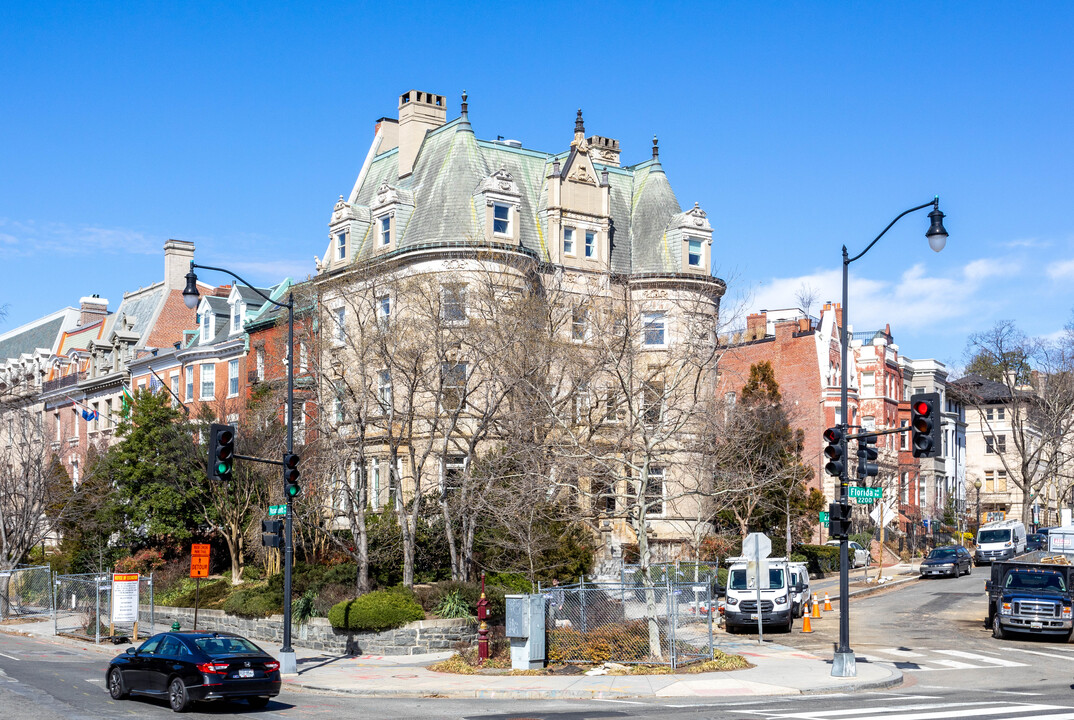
[[833, 435]]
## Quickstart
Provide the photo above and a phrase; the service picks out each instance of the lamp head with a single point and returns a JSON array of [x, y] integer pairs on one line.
[[936, 234], [977, 483], [191, 296]]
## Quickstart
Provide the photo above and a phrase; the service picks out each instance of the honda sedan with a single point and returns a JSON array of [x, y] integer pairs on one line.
[[185, 667]]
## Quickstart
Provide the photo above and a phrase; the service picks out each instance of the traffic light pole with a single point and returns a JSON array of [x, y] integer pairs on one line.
[[843, 664], [288, 663]]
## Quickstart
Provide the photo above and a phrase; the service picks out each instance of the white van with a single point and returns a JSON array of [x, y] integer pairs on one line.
[[1000, 540], [777, 595], [801, 599]]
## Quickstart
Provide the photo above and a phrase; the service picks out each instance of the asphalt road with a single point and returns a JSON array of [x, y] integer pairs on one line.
[[931, 629]]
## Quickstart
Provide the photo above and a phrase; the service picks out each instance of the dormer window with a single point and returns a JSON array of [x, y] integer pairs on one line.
[[693, 255], [385, 226], [236, 317], [206, 326], [501, 219], [341, 246]]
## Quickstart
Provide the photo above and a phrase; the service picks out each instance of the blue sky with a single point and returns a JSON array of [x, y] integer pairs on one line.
[[798, 127]]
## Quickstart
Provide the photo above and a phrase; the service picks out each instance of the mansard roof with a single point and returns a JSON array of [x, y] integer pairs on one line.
[[452, 165]]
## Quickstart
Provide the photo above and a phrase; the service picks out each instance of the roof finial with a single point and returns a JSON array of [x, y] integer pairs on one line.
[[579, 126], [656, 149], [465, 107]]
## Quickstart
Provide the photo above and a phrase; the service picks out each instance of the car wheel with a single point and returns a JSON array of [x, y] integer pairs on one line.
[[115, 684], [997, 629], [257, 702], [177, 697]]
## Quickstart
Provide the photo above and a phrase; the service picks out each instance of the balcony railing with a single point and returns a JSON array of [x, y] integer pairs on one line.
[[62, 382]]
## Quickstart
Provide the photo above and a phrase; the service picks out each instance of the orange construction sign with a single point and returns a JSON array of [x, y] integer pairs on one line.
[[199, 560]]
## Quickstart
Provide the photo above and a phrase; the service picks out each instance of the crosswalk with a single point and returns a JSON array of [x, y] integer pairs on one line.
[[991, 710], [939, 659]]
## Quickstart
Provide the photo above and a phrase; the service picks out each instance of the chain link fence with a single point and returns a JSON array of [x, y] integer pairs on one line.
[[688, 571], [667, 624], [84, 607], [26, 592]]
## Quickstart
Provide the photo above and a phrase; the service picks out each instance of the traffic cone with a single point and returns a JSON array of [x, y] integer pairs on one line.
[[816, 606], [827, 603], [807, 627]]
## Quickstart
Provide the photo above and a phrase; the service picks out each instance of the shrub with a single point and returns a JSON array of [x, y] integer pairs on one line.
[[254, 602], [453, 606], [512, 583], [184, 594], [821, 559], [863, 539], [429, 596], [619, 642], [142, 562], [378, 610], [251, 573]]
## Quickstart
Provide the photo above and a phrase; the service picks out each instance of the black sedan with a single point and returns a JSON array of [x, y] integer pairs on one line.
[[184, 667], [948, 560]]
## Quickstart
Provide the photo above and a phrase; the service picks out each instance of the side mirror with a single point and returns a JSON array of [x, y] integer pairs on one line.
[[132, 650]]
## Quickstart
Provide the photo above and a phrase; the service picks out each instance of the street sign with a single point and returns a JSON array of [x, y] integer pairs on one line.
[[277, 510], [199, 560], [124, 597], [756, 545], [824, 518], [865, 495]]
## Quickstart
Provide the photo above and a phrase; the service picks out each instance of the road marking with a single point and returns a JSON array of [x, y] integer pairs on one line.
[[897, 652], [624, 702], [10, 656], [94, 680], [1038, 652], [954, 665], [981, 658], [933, 712]]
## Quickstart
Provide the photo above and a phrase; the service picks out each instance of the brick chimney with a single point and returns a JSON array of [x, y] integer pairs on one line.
[[419, 112], [94, 308], [756, 325], [837, 308]]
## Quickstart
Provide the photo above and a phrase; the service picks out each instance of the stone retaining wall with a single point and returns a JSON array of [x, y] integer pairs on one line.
[[413, 638]]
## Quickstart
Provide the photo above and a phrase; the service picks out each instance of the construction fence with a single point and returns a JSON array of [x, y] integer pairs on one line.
[[26, 592], [666, 624], [83, 607]]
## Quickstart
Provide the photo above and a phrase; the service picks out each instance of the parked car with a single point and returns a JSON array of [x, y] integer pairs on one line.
[[185, 667], [859, 556], [948, 560], [1036, 541]]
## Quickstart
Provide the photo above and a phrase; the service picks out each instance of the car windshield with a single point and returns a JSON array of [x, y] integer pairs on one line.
[[993, 536], [738, 580], [1035, 581], [944, 552], [217, 646]]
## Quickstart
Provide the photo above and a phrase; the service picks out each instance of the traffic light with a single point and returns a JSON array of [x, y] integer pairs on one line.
[[838, 521], [291, 474], [272, 533], [834, 451], [925, 424], [867, 454], [221, 451]]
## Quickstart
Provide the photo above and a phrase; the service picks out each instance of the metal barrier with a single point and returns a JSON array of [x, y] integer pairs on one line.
[[84, 607], [668, 624], [26, 592]]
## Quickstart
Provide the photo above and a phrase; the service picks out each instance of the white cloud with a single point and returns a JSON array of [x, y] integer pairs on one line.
[[29, 238], [1061, 270], [1026, 243]]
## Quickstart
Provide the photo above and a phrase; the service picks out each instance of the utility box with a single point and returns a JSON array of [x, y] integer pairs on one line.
[[525, 630]]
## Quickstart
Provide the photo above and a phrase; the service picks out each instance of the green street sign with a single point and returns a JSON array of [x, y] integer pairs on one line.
[[277, 510], [824, 516], [865, 495]]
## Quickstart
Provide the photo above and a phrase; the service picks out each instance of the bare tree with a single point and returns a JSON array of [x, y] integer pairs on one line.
[[1034, 383]]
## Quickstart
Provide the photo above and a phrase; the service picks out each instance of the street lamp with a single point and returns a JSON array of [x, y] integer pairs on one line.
[[843, 664], [191, 298]]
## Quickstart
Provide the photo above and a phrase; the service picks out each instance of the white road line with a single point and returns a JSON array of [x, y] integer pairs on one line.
[[981, 658], [624, 702], [899, 653], [955, 665], [94, 680], [1014, 692], [1038, 652], [11, 657], [973, 708]]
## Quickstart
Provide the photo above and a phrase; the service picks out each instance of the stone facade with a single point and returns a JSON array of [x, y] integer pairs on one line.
[[423, 636]]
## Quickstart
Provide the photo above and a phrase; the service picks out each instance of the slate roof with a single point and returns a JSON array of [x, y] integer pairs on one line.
[[42, 333], [452, 163], [141, 307], [981, 388]]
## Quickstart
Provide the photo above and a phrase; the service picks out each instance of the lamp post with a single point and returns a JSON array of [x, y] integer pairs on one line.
[[843, 664], [977, 485], [288, 663]]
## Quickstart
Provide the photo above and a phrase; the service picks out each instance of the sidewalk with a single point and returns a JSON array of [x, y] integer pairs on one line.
[[862, 580], [778, 669]]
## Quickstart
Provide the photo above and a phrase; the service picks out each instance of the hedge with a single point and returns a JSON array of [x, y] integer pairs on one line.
[[378, 610], [821, 559]]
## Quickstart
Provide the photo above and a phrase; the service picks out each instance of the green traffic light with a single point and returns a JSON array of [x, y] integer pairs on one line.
[[292, 490], [222, 468]]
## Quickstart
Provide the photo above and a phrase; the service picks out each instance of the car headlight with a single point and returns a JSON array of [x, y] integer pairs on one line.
[[1005, 608], [732, 601], [1066, 613], [781, 600], [948, 565]]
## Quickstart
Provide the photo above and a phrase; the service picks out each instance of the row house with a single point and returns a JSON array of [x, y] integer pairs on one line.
[[435, 204]]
